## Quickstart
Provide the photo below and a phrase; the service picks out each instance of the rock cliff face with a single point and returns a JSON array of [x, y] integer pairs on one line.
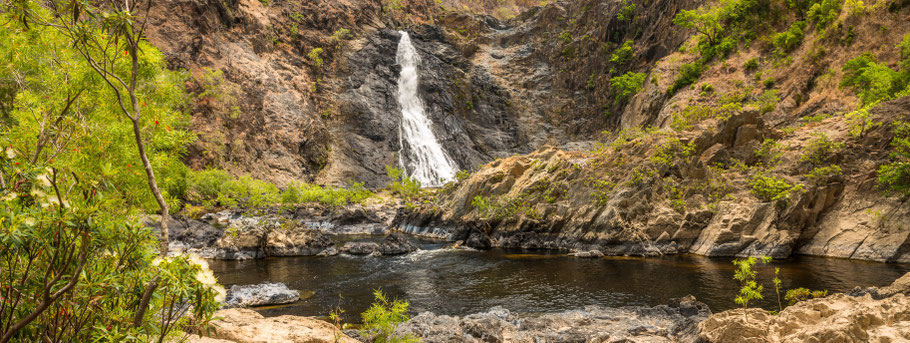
[[654, 194], [307, 91]]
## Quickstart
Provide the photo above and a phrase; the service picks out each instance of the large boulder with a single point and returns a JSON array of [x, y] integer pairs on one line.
[[674, 322], [248, 326], [397, 244], [260, 295], [877, 316], [360, 248]]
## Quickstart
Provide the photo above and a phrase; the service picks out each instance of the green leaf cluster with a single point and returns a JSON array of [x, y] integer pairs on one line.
[[381, 319]]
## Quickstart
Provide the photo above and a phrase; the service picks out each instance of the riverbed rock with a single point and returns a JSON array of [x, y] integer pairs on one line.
[[587, 254], [360, 248], [673, 322], [248, 326], [260, 295], [397, 244], [870, 317]]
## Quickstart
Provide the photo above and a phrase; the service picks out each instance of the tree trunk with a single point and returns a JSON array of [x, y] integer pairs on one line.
[[153, 185]]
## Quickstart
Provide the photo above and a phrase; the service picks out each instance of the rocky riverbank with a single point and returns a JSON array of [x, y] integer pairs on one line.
[[706, 191], [301, 231], [862, 315]]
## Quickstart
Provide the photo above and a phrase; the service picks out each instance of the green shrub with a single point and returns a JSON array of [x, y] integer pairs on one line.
[[789, 40], [873, 82], [820, 149], [773, 188], [770, 151], [769, 82], [801, 294], [670, 150], [688, 74], [751, 64], [315, 56], [767, 101], [623, 54], [895, 175], [601, 193], [381, 319], [627, 12], [205, 185], [822, 175], [824, 13], [904, 47], [401, 184], [627, 84]]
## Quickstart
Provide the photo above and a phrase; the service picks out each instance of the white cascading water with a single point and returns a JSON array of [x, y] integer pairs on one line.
[[425, 159]]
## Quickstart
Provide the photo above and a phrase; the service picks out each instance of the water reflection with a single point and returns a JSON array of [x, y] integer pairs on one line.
[[465, 281]]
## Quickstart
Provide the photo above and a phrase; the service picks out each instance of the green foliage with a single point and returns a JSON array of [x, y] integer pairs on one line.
[[340, 35], [721, 26], [789, 40], [214, 187], [767, 101], [727, 105], [688, 74], [623, 54], [381, 319], [904, 47], [873, 82], [670, 150], [770, 151], [60, 104], [824, 13], [601, 193], [749, 288], [462, 175], [566, 37], [627, 84], [773, 188], [751, 64], [401, 184], [315, 56], [627, 12], [498, 209], [822, 175], [78, 257], [861, 120], [895, 175], [820, 149], [801, 294]]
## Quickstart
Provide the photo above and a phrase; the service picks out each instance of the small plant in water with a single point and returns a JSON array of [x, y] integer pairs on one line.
[[750, 289], [335, 317]]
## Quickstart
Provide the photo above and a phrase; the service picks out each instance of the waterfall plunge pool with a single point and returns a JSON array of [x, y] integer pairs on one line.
[[460, 281]]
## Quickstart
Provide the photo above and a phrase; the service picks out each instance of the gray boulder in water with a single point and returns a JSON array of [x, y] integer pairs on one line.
[[676, 321], [397, 244], [360, 248], [260, 295]]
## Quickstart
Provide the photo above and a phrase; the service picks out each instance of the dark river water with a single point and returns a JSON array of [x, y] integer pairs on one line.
[[458, 282]]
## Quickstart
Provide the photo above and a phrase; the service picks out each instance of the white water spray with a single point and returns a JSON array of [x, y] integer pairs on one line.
[[421, 155]]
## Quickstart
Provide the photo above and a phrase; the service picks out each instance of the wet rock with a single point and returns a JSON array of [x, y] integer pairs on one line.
[[248, 326], [228, 235], [674, 322], [397, 244], [360, 248], [260, 295], [587, 254]]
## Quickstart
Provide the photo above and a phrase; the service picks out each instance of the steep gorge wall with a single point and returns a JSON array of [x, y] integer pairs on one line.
[[493, 87]]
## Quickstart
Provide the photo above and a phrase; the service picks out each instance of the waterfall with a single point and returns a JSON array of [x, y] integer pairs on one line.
[[421, 155]]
